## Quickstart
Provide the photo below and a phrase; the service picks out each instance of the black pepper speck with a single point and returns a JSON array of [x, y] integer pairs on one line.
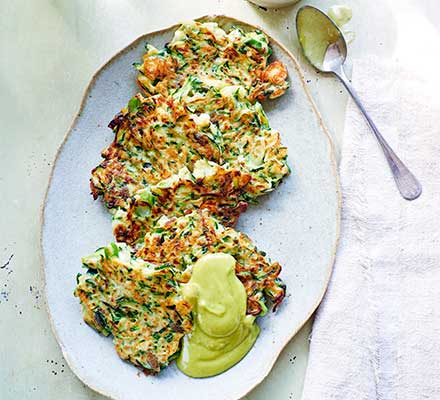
[[7, 262]]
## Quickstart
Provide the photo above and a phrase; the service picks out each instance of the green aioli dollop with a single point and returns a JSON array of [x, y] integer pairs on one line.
[[222, 333], [340, 14]]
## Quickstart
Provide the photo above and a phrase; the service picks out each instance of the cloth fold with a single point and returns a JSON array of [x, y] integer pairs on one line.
[[377, 331]]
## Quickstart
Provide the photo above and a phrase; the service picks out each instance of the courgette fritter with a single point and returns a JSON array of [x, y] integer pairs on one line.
[[205, 50], [134, 294], [209, 187], [156, 137], [137, 303], [180, 242]]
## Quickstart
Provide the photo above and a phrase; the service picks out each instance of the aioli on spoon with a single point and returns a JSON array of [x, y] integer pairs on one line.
[[324, 46]]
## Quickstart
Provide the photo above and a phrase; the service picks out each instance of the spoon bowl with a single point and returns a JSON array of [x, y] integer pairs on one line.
[[322, 41], [324, 46]]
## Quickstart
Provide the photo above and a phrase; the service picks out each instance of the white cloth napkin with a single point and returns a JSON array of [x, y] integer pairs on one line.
[[377, 332]]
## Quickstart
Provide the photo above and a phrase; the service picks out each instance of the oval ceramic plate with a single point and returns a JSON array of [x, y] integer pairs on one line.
[[297, 225]]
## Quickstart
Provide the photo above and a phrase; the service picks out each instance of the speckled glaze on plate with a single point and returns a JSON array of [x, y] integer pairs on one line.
[[297, 225]]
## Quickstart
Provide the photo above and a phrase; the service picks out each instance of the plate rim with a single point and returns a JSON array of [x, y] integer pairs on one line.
[[42, 263]]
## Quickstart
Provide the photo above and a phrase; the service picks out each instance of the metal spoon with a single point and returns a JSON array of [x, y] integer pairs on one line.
[[324, 46]]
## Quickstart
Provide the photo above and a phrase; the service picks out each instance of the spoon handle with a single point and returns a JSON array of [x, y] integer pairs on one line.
[[408, 185]]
